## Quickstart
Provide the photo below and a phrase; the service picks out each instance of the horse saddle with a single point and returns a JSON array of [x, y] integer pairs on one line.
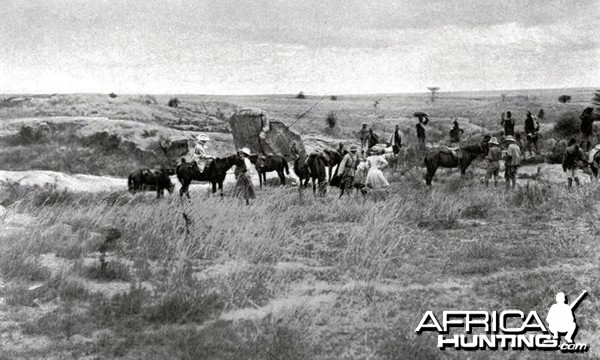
[[593, 153], [203, 163], [454, 152]]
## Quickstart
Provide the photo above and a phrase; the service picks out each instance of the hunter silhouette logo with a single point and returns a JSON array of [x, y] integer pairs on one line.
[[560, 317], [507, 329]]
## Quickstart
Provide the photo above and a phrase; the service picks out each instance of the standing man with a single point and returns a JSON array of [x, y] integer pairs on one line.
[[508, 123], [573, 159], [373, 139], [532, 127], [364, 138], [587, 128], [395, 140], [455, 133], [512, 161], [348, 169], [423, 120], [493, 161], [421, 134]]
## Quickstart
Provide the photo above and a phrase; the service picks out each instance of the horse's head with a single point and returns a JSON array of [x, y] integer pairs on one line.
[[479, 149]]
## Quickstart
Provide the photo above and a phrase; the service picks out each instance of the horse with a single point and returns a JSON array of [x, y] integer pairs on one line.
[[301, 170], [317, 170], [334, 158], [595, 163], [448, 159], [146, 179], [270, 163], [214, 173]]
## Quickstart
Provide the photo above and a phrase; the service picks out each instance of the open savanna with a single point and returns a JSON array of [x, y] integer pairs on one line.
[[108, 275]]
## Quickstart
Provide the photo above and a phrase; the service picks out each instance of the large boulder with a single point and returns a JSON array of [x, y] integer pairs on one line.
[[252, 129], [175, 146]]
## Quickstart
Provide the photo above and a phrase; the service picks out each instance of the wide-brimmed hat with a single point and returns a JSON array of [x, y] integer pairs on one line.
[[202, 137], [494, 141], [353, 148], [510, 138], [375, 149], [245, 151]]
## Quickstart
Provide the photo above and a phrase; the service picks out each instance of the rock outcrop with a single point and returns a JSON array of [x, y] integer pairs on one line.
[[252, 129]]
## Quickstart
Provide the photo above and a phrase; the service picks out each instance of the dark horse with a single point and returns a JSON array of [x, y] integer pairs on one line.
[[301, 170], [146, 179], [445, 158], [334, 159], [214, 173], [316, 169], [270, 163]]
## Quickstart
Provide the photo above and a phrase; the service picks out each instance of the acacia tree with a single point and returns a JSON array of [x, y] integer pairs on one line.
[[433, 89]]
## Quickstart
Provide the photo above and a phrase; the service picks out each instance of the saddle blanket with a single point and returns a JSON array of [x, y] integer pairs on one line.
[[203, 163], [452, 151]]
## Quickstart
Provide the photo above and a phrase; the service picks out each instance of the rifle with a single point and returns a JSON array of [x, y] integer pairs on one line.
[[576, 302]]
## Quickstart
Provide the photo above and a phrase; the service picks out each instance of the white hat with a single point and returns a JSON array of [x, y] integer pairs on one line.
[[202, 137], [494, 141], [246, 151]]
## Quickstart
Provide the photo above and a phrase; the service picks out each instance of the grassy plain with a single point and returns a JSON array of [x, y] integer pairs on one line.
[[112, 275]]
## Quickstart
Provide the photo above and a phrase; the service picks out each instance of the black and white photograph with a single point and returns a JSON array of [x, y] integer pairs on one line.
[[299, 180]]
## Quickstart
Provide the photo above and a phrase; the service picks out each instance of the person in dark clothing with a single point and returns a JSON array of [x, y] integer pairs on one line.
[[508, 123], [573, 159], [373, 139], [341, 150], [455, 133], [364, 138], [531, 131], [421, 134], [587, 127], [395, 140]]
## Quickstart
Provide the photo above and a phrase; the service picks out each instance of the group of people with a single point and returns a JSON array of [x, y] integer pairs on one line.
[[532, 128], [512, 160], [359, 172], [243, 187], [363, 169]]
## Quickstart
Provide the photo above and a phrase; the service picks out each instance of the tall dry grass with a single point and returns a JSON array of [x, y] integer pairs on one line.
[[209, 256]]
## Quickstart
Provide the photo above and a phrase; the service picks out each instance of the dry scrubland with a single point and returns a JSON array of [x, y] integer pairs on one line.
[[114, 275]]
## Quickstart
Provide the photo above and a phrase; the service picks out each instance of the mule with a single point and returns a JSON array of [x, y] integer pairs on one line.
[[301, 171], [214, 173], [447, 159], [270, 163], [317, 170], [146, 179], [334, 158]]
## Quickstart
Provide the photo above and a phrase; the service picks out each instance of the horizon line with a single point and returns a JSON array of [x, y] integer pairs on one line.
[[305, 93]]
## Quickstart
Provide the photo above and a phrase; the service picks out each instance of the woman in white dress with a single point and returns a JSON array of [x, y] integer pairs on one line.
[[376, 162]]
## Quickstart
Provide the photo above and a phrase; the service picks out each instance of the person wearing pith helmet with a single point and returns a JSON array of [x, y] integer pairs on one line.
[[200, 156], [493, 158], [512, 161], [347, 169]]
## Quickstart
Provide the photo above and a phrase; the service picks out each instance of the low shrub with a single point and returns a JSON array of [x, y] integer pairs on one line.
[[567, 125]]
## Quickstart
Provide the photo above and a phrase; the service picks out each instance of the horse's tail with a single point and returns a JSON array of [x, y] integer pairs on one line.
[[286, 167]]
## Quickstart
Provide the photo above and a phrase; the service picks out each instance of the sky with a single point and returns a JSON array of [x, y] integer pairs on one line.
[[238, 47]]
